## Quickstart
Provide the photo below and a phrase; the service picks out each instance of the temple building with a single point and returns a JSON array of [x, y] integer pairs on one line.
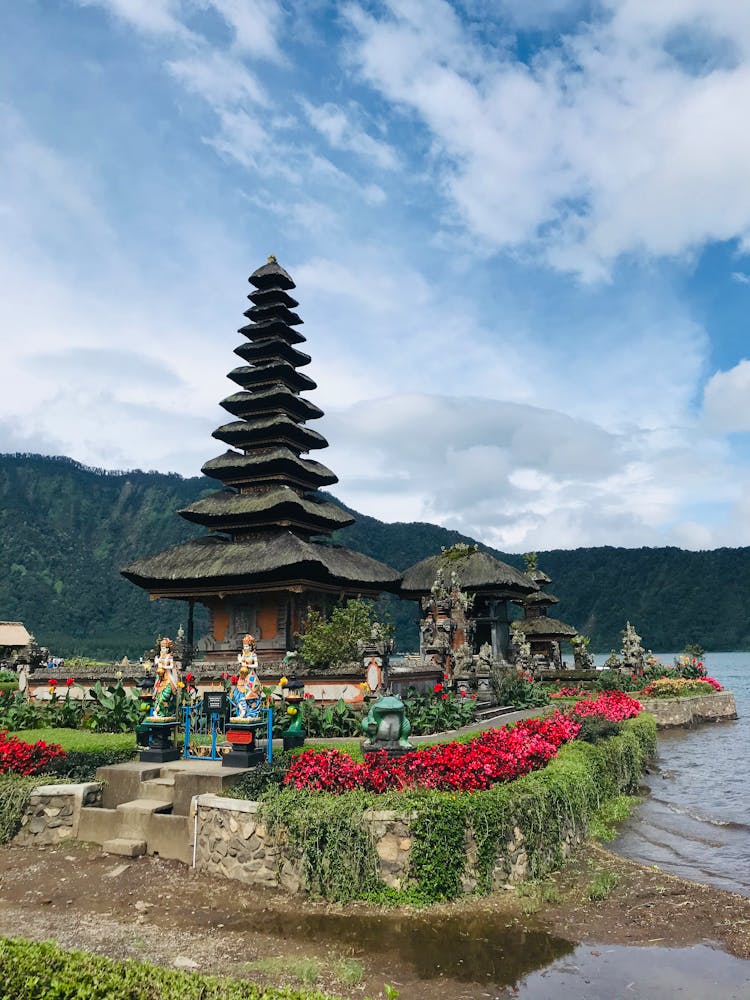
[[266, 562], [489, 584], [544, 635]]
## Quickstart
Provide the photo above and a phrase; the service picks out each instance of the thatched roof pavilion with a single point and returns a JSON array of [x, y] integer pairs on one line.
[[268, 565], [491, 582]]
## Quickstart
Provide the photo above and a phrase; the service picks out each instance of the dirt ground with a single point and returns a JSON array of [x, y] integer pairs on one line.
[[164, 912]]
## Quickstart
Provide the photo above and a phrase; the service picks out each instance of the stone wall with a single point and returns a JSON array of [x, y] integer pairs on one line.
[[233, 842], [53, 812], [669, 712]]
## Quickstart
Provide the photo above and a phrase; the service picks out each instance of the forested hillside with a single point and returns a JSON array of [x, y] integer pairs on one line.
[[66, 530]]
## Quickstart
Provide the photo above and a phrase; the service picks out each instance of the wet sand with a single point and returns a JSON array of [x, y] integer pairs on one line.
[[654, 935]]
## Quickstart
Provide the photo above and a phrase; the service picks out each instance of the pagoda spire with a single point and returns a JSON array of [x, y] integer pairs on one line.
[[268, 481]]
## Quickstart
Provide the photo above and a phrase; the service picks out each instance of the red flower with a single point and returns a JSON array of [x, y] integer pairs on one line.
[[473, 697], [444, 697], [69, 682], [189, 678], [462, 693], [225, 676], [52, 682], [234, 680], [438, 688], [446, 677]]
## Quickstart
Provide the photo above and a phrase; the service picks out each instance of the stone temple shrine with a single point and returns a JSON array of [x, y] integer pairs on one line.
[[266, 561]]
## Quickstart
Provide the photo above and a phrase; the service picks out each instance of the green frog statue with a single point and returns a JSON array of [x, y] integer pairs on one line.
[[387, 727]]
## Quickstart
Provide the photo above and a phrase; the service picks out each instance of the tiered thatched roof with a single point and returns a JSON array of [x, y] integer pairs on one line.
[[269, 507]]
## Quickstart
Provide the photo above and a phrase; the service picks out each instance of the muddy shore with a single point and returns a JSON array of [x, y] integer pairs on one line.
[[166, 913]]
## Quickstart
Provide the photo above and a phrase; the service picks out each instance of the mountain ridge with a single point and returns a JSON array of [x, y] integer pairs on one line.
[[66, 530]]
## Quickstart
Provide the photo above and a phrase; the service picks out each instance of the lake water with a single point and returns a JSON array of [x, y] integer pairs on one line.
[[696, 822]]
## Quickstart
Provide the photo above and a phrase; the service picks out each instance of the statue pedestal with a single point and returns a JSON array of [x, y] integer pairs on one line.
[[392, 747], [161, 748], [241, 733], [294, 740]]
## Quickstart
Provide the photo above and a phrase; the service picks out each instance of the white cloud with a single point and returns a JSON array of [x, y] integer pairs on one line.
[[726, 399], [611, 143], [220, 79], [153, 17], [256, 25], [337, 128]]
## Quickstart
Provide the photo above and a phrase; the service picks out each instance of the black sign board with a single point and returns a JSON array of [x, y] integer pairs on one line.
[[215, 703]]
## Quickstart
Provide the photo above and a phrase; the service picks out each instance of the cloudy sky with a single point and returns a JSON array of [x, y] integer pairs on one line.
[[520, 234]]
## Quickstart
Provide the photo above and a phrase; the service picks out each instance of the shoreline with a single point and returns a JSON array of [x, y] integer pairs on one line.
[[159, 910]]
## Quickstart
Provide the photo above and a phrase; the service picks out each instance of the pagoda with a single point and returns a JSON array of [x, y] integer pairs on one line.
[[543, 633], [266, 562]]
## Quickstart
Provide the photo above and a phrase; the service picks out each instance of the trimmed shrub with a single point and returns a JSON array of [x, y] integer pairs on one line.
[[339, 858], [31, 971]]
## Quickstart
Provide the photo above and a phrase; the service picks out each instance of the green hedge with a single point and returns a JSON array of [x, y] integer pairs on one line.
[[30, 971], [339, 860]]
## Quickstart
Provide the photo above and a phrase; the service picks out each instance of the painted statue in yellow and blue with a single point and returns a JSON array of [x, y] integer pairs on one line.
[[247, 693]]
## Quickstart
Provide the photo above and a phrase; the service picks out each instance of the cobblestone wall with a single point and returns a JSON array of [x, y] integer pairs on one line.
[[232, 841], [53, 812], [670, 712]]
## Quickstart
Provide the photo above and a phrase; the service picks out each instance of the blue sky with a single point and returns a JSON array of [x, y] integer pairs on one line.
[[520, 235]]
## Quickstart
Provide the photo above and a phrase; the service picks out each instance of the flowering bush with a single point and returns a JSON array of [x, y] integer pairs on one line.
[[613, 706], [577, 691], [498, 755], [681, 687], [17, 757]]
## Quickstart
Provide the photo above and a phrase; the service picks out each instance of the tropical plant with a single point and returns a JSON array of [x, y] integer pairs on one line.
[[114, 710], [18, 712], [438, 710]]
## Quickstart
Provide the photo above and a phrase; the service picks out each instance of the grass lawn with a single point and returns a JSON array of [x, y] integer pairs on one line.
[[79, 739]]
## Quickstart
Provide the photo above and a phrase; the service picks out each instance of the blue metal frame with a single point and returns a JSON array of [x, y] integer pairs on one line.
[[193, 713]]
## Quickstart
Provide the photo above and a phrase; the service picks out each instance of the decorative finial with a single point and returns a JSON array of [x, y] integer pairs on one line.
[[272, 259]]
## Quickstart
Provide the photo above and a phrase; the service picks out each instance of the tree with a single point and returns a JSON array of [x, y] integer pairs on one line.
[[327, 642]]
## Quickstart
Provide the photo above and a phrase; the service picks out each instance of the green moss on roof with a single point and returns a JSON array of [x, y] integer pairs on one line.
[[270, 556], [227, 503], [477, 572]]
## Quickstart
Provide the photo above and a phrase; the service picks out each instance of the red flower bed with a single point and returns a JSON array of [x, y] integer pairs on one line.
[[615, 706], [568, 692], [17, 757], [713, 682], [496, 756]]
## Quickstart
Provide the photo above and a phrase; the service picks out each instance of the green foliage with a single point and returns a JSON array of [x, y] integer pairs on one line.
[[8, 686], [438, 828], [325, 642], [83, 740], [339, 859], [602, 886], [614, 680], [594, 728], [694, 649], [338, 855], [32, 971], [18, 712], [114, 709], [606, 819], [431, 713], [330, 721], [14, 796], [513, 687], [8, 676], [257, 781]]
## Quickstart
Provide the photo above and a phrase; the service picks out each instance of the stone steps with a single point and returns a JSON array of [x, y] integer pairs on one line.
[[159, 788], [125, 846]]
